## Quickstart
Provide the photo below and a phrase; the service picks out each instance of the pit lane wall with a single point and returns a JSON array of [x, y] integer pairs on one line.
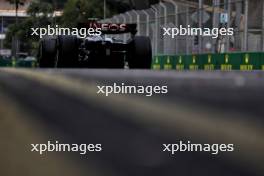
[[226, 61]]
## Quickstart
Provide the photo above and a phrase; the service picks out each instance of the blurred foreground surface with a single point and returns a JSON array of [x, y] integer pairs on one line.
[[203, 107]]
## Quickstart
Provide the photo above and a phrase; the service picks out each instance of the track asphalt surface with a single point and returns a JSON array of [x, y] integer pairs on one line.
[[202, 107]]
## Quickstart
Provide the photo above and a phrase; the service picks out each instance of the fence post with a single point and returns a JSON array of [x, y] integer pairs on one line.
[[245, 43], [176, 21], [229, 3], [216, 4], [155, 10], [187, 37], [262, 26], [200, 24], [130, 17], [147, 22], [137, 21], [165, 13]]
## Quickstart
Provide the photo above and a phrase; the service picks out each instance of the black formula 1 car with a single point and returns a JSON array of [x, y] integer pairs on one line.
[[67, 51]]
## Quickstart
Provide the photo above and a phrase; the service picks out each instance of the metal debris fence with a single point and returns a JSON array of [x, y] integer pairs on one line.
[[246, 17]]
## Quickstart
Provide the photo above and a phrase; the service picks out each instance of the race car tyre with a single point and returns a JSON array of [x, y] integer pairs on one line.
[[140, 55], [67, 51], [47, 52]]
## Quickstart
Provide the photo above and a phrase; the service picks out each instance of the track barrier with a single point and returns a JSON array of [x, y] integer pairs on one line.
[[8, 62], [225, 61]]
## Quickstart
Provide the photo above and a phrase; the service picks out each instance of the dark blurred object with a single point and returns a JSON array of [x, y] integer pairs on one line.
[[132, 4], [143, 4]]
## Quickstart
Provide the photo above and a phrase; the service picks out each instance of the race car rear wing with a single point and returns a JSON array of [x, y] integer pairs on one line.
[[111, 28]]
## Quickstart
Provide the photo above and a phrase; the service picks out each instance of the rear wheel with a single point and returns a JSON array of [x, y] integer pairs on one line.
[[140, 55], [67, 51], [47, 52]]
